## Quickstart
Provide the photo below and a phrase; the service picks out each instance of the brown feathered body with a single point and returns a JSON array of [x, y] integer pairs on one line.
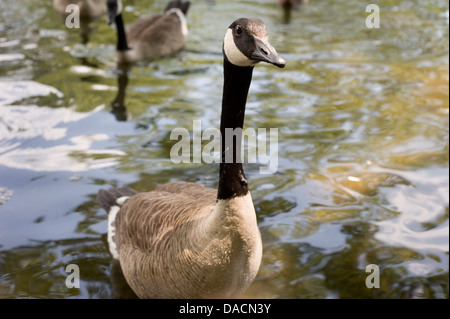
[[183, 243], [155, 36]]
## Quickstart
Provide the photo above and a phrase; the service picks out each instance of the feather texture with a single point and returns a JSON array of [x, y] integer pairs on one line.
[[182, 245]]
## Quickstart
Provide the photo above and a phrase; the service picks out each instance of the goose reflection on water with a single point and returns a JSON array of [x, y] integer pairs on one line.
[[118, 107]]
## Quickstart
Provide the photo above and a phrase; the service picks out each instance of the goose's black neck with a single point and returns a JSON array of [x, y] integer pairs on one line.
[[232, 181], [121, 36]]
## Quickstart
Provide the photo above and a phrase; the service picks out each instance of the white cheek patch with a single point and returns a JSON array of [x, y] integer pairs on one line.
[[232, 52]]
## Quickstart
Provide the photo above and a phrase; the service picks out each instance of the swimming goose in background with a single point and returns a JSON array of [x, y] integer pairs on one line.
[[291, 3], [154, 36], [89, 10], [185, 240]]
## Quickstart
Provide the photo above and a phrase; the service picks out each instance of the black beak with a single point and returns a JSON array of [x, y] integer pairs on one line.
[[265, 52]]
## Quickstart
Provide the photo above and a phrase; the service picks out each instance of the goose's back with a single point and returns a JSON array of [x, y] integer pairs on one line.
[[89, 9]]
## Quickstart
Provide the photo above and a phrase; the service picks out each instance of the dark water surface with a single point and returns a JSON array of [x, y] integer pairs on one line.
[[363, 144]]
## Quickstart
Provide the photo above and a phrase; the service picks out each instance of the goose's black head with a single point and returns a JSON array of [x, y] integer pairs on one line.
[[246, 43], [114, 9]]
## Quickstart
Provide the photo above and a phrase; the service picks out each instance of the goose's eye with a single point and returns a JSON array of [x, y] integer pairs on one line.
[[238, 30]]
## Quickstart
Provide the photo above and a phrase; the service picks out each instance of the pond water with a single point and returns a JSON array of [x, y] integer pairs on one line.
[[362, 174]]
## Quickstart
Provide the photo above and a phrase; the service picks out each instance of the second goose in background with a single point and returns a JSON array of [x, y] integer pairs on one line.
[[185, 240], [89, 11], [150, 37]]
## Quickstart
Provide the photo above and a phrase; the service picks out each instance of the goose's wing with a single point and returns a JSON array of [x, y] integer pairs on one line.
[[157, 36]]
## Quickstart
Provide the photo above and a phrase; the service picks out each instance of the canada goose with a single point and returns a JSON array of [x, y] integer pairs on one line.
[[185, 240], [118, 107], [89, 11], [154, 36]]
